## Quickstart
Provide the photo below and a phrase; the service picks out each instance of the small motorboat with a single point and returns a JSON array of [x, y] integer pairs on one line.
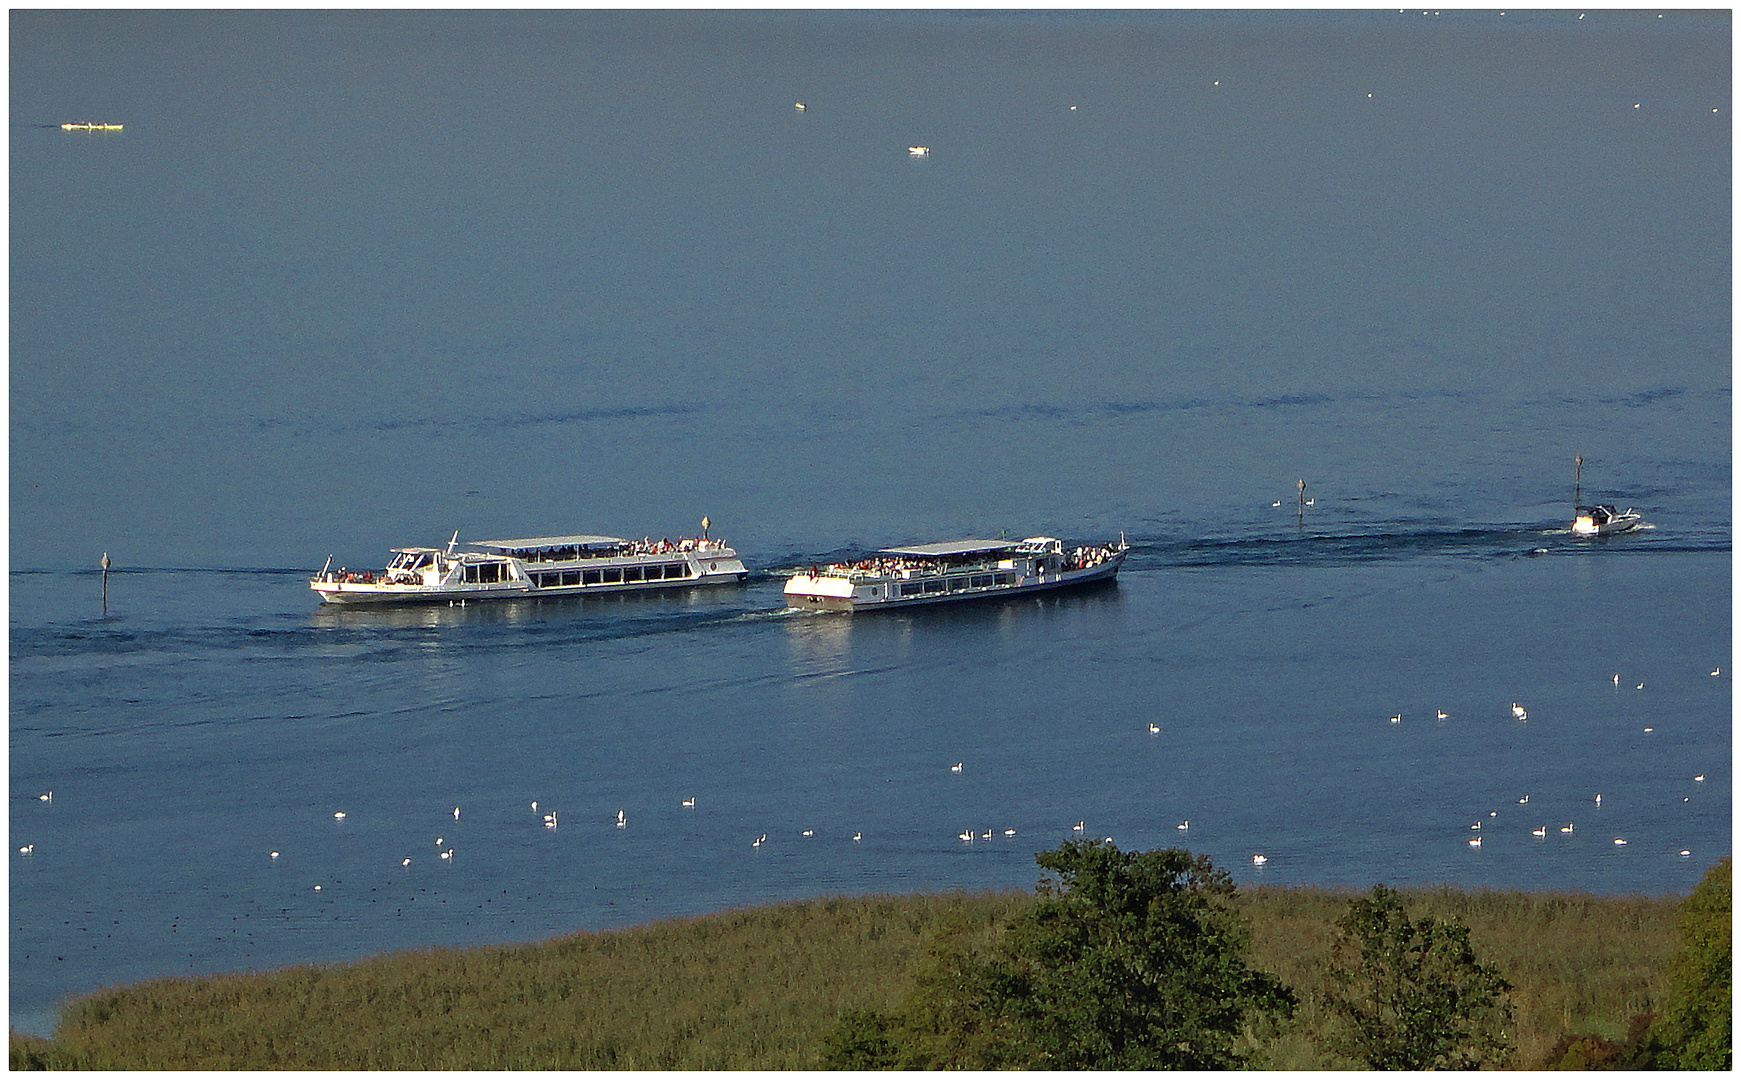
[[1603, 520]]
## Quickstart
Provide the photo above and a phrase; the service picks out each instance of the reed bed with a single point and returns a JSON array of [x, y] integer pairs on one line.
[[758, 988]]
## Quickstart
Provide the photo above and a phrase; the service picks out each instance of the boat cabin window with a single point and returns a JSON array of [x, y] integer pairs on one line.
[[589, 577], [484, 573], [911, 588]]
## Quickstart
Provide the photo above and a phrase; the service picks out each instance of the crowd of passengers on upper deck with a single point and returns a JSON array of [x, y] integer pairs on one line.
[[901, 565], [643, 546]]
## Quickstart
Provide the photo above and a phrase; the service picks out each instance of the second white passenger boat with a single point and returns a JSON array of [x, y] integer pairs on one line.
[[956, 570], [537, 566]]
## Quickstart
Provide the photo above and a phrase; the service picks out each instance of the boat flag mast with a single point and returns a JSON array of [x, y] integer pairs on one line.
[[1578, 484]]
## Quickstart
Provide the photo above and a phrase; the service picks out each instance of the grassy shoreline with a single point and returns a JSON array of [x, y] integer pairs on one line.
[[758, 987]]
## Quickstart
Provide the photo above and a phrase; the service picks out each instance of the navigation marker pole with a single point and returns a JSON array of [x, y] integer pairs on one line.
[[1578, 485], [105, 565], [1302, 504]]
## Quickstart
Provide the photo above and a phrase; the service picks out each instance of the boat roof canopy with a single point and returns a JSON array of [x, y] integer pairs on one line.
[[540, 542], [952, 547]]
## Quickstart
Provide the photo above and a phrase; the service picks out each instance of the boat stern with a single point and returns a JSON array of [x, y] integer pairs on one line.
[[822, 591]]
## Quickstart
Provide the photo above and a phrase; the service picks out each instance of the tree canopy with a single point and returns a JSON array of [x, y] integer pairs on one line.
[[1127, 960], [1411, 994], [1698, 1029]]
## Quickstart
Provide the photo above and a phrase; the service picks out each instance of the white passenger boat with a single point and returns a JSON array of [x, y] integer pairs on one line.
[[957, 570], [1601, 520], [538, 566]]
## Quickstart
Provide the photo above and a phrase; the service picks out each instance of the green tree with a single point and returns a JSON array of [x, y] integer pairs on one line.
[[1697, 1029], [1126, 960], [1411, 995]]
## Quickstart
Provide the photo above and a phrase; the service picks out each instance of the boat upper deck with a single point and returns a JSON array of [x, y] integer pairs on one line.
[[572, 548], [954, 548]]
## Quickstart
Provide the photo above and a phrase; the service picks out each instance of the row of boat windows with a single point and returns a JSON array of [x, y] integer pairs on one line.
[[612, 575], [957, 584]]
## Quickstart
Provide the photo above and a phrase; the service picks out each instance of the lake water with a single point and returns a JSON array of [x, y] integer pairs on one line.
[[352, 280]]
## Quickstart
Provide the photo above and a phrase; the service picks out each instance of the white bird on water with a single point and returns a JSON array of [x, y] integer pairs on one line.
[[1259, 860], [1519, 711], [955, 767], [404, 862], [965, 834], [1077, 827], [689, 802], [272, 854], [1443, 714], [456, 813], [27, 849], [1009, 832], [338, 815], [1598, 800], [622, 819], [1566, 828], [759, 841], [1184, 825], [1543, 831], [534, 804], [1474, 841], [1523, 800], [448, 854], [857, 836], [1154, 729], [47, 796], [1619, 841], [1699, 779], [808, 832]]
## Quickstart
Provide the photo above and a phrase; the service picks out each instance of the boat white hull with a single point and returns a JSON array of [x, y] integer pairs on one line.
[[538, 581], [1606, 522], [825, 592]]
